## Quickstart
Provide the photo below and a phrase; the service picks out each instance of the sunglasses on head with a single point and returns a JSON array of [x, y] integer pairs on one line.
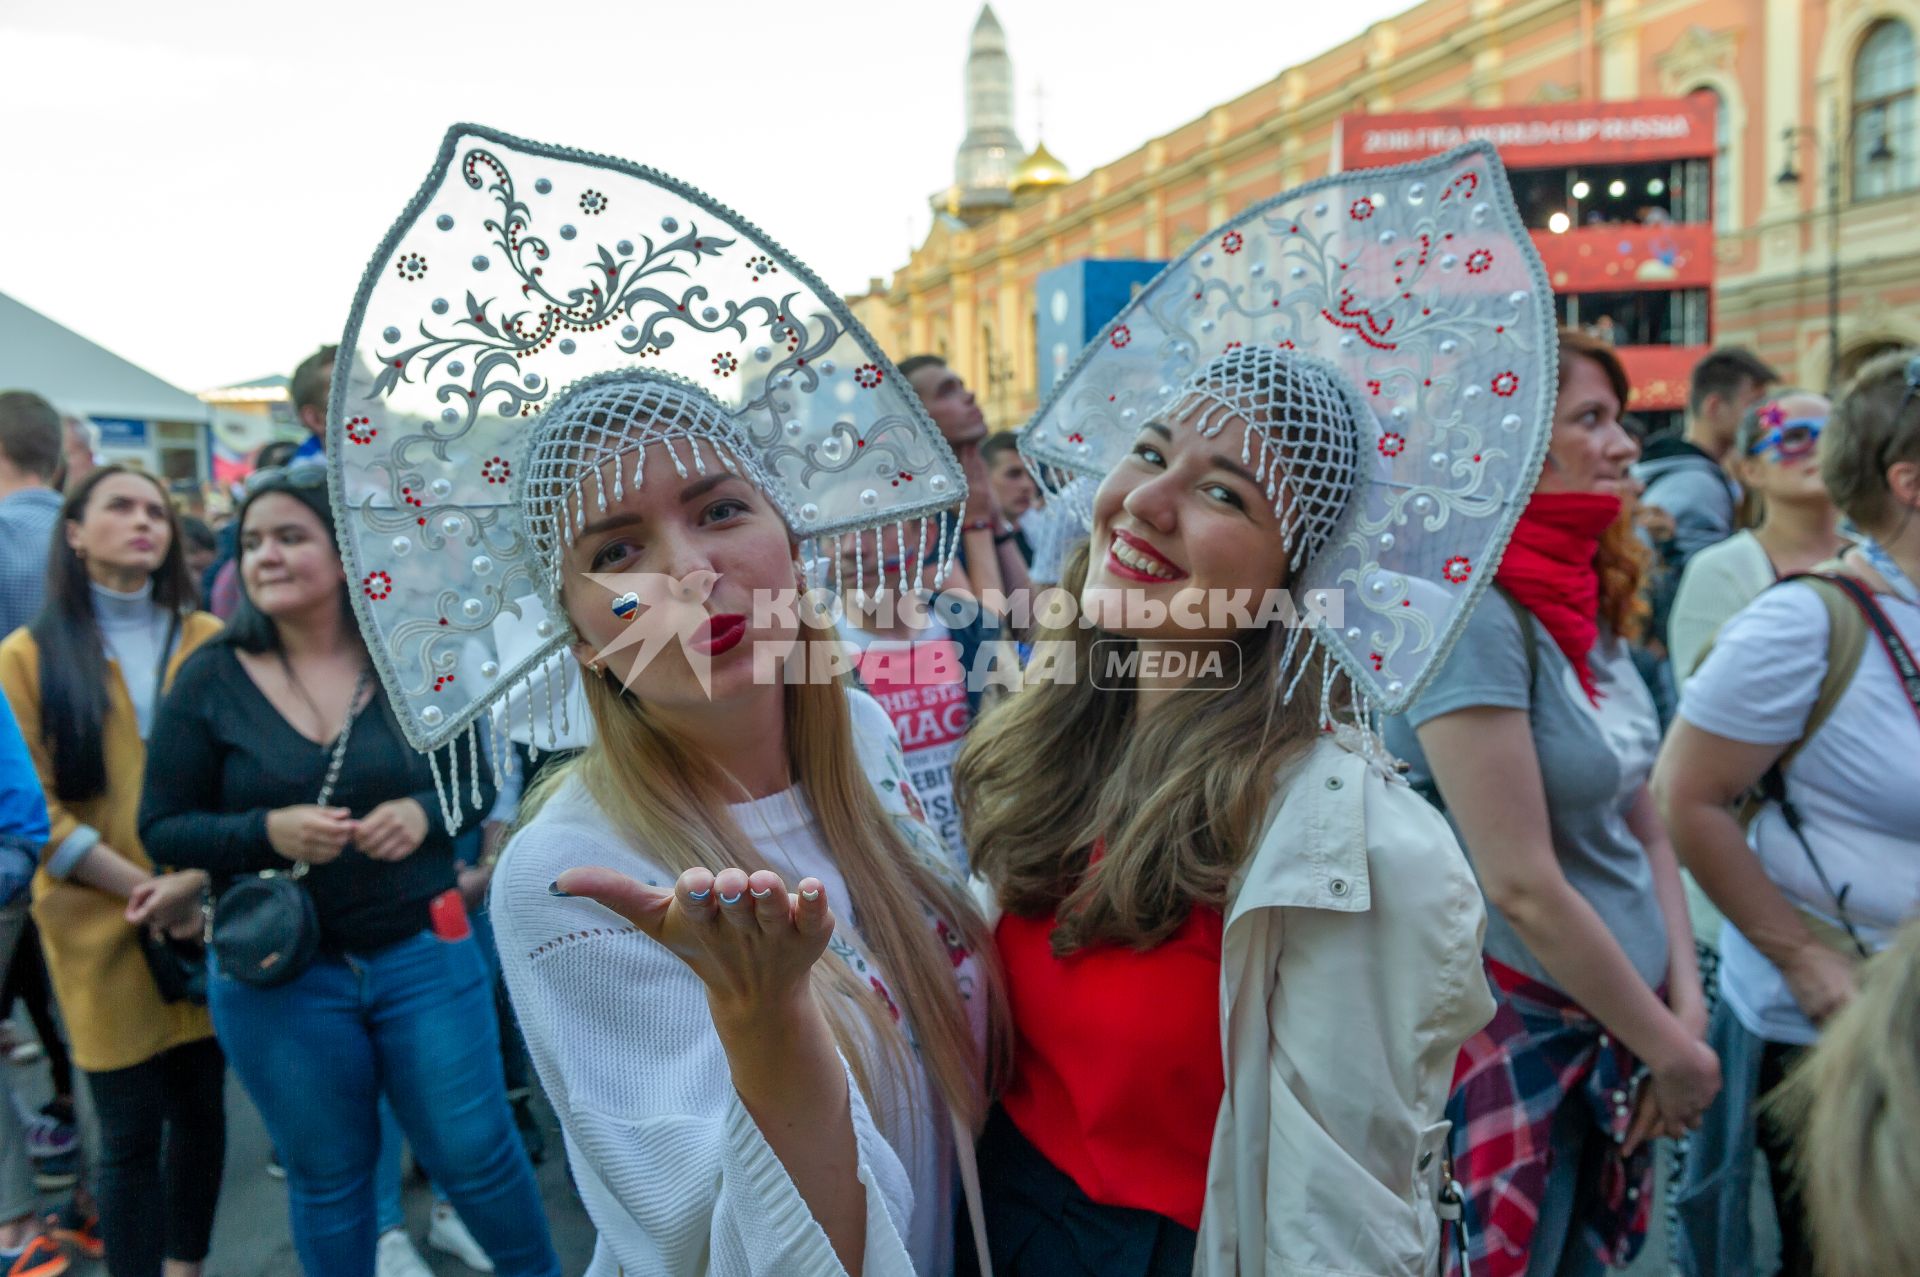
[[301, 474], [1913, 388], [1790, 439]]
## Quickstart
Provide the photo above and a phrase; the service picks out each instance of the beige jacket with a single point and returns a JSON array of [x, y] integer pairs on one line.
[[1350, 977]]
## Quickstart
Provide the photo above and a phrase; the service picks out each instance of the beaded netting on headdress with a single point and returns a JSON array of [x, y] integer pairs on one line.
[[525, 278], [1300, 431], [591, 448], [1408, 302]]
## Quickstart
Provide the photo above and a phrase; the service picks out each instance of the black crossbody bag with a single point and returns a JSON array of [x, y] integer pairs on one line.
[[265, 929]]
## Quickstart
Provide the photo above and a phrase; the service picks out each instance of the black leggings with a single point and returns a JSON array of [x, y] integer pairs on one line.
[[163, 1143], [27, 980], [1776, 1144]]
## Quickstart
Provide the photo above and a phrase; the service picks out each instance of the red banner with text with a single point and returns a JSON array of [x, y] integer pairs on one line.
[[1538, 135]]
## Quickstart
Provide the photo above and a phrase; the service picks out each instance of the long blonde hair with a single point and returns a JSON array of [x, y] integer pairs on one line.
[[1176, 799], [1856, 1104], [686, 823]]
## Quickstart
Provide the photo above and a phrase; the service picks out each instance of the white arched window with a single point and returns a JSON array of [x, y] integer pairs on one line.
[[1885, 150]]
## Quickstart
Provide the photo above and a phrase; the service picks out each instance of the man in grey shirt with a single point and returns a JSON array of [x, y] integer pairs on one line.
[[30, 448], [1686, 476]]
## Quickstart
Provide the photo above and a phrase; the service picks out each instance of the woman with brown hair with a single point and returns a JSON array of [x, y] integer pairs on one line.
[[1537, 737], [1241, 953], [85, 679]]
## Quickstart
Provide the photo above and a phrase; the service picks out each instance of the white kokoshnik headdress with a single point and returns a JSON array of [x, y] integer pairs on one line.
[[1386, 340], [535, 319]]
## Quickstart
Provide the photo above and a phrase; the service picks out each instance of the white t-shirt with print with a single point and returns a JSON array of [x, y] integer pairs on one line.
[[1856, 782], [922, 685]]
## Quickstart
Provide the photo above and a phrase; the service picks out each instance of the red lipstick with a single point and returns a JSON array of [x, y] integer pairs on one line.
[[722, 633]]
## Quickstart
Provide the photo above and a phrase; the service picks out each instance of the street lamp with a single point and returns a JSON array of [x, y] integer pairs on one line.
[[1834, 143]]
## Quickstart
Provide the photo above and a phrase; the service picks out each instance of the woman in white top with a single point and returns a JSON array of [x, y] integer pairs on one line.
[[699, 1058], [744, 967], [1774, 456], [1802, 912]]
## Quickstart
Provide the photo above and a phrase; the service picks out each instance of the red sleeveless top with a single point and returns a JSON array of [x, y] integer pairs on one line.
[[1117, 1069]]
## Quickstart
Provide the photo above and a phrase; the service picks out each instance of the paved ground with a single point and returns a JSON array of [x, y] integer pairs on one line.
[[250, 1236], [250, 1233]]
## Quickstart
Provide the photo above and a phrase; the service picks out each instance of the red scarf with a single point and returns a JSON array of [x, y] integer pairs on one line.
[[1549, 567]]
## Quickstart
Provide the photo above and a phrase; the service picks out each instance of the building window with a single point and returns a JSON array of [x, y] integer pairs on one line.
[[1883, 142]]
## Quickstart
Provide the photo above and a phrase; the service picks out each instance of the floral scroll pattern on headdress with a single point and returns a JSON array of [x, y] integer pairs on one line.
[[519, 271], [1419, 287]]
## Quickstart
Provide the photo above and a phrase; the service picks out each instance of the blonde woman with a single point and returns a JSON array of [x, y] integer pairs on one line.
[[1855, 1103], [745, 971], [1241, 953]]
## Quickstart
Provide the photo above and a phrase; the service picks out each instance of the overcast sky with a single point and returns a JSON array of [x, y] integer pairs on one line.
[[198, 185]]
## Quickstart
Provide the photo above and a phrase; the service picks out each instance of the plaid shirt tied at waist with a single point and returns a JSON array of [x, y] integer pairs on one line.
[[1541, 1050]]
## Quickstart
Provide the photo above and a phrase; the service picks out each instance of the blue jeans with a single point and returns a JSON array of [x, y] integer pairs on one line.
[[390, 1197], [415, 1022]]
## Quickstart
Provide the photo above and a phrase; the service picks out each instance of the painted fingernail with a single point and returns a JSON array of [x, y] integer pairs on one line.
[[810, 895], [553, 889], [700, 895], [760, 895], [726, 899]]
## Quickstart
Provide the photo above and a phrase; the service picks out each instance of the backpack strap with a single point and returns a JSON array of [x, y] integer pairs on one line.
[[1898, 653], [1847, 621], [1846, 643], [1850, 610]]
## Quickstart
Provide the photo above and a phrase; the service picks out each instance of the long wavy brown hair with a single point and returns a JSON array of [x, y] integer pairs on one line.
[[1623, 561], [1176, 798]]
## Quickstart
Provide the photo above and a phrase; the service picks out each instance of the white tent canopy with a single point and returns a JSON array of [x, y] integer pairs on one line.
[[80, 377]]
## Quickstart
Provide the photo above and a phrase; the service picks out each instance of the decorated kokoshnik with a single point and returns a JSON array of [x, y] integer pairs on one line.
[[533, 322], [1383, 340]]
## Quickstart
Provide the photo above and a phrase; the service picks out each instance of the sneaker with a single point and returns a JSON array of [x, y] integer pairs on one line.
[[77, 1228], [448, 1234], [53, 1173], [48, 1136], [41, 1258], [20, 1050], [396, 1256], [275, 1167]]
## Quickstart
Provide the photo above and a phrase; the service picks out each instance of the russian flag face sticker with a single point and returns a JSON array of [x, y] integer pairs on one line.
[[626, 605]]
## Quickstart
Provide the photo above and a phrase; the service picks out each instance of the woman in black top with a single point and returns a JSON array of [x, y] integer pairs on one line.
[[398, 1000]]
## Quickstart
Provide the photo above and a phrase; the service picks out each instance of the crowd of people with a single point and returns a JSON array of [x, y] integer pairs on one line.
[[907, 972]]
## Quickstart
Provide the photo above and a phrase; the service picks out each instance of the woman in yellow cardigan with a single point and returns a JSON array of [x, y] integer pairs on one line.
[[84, 680]]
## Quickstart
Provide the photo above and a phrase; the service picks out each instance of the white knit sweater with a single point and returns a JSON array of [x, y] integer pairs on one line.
[[672, 1169]]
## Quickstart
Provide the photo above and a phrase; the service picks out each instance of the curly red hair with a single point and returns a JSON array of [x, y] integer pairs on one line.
[[1623, 560]]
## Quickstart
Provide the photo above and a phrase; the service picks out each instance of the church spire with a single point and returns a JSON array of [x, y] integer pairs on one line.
[[985, 163]]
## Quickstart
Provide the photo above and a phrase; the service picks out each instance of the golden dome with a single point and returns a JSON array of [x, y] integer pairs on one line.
[[1039, 171]]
